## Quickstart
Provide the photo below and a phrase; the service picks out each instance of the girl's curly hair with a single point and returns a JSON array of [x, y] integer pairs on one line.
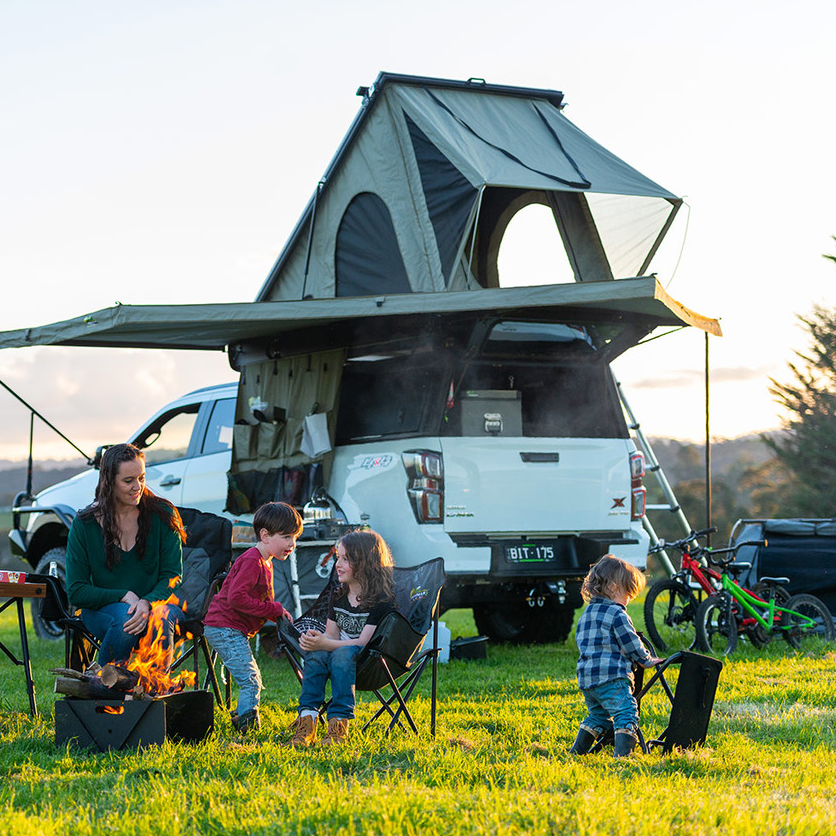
[[104, 509], [611, 571], [371, 564]]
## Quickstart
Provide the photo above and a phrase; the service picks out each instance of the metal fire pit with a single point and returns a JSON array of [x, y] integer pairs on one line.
[[188, 716]]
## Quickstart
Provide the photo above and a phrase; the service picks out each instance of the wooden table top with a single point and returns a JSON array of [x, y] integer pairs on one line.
[[22, 590]]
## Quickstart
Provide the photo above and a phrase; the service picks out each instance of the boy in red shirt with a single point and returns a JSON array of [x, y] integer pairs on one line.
[[246, 602]]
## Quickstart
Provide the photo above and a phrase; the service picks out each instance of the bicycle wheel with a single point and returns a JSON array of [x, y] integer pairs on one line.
[[809, 622], [717, 625], [757, 634], [669, 612]]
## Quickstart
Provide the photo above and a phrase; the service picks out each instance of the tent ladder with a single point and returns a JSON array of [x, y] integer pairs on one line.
[[671, 504]]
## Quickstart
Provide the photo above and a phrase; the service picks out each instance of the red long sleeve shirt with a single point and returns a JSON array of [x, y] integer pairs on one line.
[[245, 601]]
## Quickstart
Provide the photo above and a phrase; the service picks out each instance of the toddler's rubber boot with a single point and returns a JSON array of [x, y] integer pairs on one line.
[[583, 742], [625, 743]]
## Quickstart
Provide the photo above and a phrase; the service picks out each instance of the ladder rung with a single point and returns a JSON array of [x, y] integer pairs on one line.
[[672, 508]]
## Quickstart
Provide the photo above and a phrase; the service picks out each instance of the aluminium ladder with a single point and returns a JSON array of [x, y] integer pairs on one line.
[[671, 503]]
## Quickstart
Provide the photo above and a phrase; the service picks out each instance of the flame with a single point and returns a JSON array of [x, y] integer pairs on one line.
[[151, 661], [112, 709]]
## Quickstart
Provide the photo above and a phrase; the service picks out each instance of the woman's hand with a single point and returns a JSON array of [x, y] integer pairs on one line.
[[138, 611], [287, 616], [311, 640]]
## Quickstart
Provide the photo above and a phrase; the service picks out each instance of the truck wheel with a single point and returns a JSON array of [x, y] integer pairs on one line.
[[49, 630], [517, 623]]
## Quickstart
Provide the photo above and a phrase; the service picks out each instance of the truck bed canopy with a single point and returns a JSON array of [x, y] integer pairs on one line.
[[431, 172], [640, 303]]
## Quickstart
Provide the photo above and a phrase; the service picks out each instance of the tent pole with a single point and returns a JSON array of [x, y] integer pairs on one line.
[[475, 227], [707, 446], [319, 186]]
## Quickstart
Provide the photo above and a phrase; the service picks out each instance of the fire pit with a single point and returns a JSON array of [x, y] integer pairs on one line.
[[135, 705], [125, 724]]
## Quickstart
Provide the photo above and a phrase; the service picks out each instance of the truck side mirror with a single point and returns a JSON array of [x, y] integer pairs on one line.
[[96, 461]]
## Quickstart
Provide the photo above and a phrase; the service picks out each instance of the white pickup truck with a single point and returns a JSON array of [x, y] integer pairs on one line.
[[520, 476]]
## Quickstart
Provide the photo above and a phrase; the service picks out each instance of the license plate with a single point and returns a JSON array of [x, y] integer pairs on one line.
[[530, 553]]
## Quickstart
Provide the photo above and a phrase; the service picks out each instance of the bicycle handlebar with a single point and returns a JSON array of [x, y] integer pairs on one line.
[[685, 541]]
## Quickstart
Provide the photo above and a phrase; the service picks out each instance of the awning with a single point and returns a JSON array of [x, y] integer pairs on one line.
[[216, 326]]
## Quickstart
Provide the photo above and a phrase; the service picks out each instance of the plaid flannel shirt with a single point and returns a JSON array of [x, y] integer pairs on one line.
[[608, 644]]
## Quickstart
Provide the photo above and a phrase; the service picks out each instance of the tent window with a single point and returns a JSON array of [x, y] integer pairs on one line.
[[368, 260], [449, 196]]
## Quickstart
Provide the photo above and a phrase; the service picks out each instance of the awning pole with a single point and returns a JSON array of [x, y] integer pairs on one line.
[[707, 447]]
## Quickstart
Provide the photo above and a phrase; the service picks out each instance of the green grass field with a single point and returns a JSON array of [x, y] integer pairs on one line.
[[497, 765]]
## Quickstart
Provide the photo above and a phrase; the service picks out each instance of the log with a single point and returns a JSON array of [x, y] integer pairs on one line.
[[119, 678], [89, 688], [68, 672]]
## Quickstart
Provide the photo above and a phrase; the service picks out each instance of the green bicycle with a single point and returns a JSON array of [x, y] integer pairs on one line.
[[802, 620]]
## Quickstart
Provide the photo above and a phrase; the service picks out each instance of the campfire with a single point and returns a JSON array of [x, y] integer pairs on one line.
[[135, 704]]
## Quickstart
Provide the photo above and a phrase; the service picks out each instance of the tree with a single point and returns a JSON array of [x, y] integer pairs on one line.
[[808, 449]]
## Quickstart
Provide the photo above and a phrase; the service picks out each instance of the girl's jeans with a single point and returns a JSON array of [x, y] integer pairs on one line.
[[341, 666], [234, 649], [107, 625], [611, 705]]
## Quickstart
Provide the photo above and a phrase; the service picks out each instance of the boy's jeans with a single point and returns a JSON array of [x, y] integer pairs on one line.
[[341, 666], [611, 705], [107, 625], [234, 649]]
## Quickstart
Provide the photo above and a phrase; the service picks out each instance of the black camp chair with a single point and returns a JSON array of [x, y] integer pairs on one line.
[[691, 702], [80, 645], [394, 658], [207, 556]]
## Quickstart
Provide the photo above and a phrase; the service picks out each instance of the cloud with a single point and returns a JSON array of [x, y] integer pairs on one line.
[[689, 377]]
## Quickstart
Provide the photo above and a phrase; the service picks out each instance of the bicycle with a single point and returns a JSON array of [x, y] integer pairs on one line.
[[801, 620], [671, 604]]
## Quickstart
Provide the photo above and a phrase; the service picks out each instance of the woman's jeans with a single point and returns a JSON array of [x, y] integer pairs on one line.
[[611, 705], [341, 666], [234, 649], [107, 625]]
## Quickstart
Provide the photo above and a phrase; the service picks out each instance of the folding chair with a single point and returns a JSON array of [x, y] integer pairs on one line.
[[691, 703], [80, 645], [394, 658], [207, 556]]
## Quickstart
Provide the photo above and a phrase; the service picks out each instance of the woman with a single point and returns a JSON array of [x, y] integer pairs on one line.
[[123, 553]]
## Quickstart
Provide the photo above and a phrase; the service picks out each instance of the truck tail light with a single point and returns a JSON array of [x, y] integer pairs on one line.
[[637, 490], [425, 469]]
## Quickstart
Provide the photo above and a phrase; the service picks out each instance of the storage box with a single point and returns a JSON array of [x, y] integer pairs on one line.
[[491, 412], [473, 647]]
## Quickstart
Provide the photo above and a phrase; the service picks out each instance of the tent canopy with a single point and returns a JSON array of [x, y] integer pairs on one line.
[[640, 302], [425, 183]]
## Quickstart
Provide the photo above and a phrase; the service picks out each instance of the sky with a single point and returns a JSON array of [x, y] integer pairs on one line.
[[161, 152]]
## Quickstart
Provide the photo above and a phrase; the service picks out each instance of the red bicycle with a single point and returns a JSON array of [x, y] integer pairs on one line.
[[670, 607]]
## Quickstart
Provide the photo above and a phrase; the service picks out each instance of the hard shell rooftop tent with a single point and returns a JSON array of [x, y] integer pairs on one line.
[[422, 188]]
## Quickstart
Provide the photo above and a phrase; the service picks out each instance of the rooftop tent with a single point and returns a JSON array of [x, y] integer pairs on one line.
[[431, 172]]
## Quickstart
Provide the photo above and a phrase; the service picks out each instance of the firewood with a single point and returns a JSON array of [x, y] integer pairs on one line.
[[89, 688], [69, 672], [119, 678]]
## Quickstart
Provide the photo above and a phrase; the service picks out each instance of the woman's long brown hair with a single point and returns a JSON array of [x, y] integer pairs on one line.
[[371, 564], [104, 506]]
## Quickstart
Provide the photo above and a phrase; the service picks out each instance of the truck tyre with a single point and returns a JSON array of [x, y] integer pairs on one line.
[[517, 623], [49, 630]]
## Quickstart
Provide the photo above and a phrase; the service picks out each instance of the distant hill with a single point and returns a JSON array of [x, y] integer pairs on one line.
[[44, 474]]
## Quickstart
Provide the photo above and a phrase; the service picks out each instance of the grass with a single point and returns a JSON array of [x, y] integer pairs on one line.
[[497, 764]]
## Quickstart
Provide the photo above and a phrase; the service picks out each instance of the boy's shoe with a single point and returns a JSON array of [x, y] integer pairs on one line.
[[583, 742], [337, 732], [304, 729], [625, 742], [246, 721]]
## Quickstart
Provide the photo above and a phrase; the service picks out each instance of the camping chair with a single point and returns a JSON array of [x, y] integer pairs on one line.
[[691, 702], [394, 657], [80, 645], [207, 556]]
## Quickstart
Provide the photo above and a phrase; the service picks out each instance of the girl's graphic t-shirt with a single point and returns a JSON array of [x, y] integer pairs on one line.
[[351, 620]]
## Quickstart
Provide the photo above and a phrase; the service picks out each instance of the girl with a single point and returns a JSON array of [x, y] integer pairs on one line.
[[608, 645], [365, 595]]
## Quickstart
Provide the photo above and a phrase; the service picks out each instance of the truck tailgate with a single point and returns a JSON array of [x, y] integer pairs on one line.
[[535, 485]]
